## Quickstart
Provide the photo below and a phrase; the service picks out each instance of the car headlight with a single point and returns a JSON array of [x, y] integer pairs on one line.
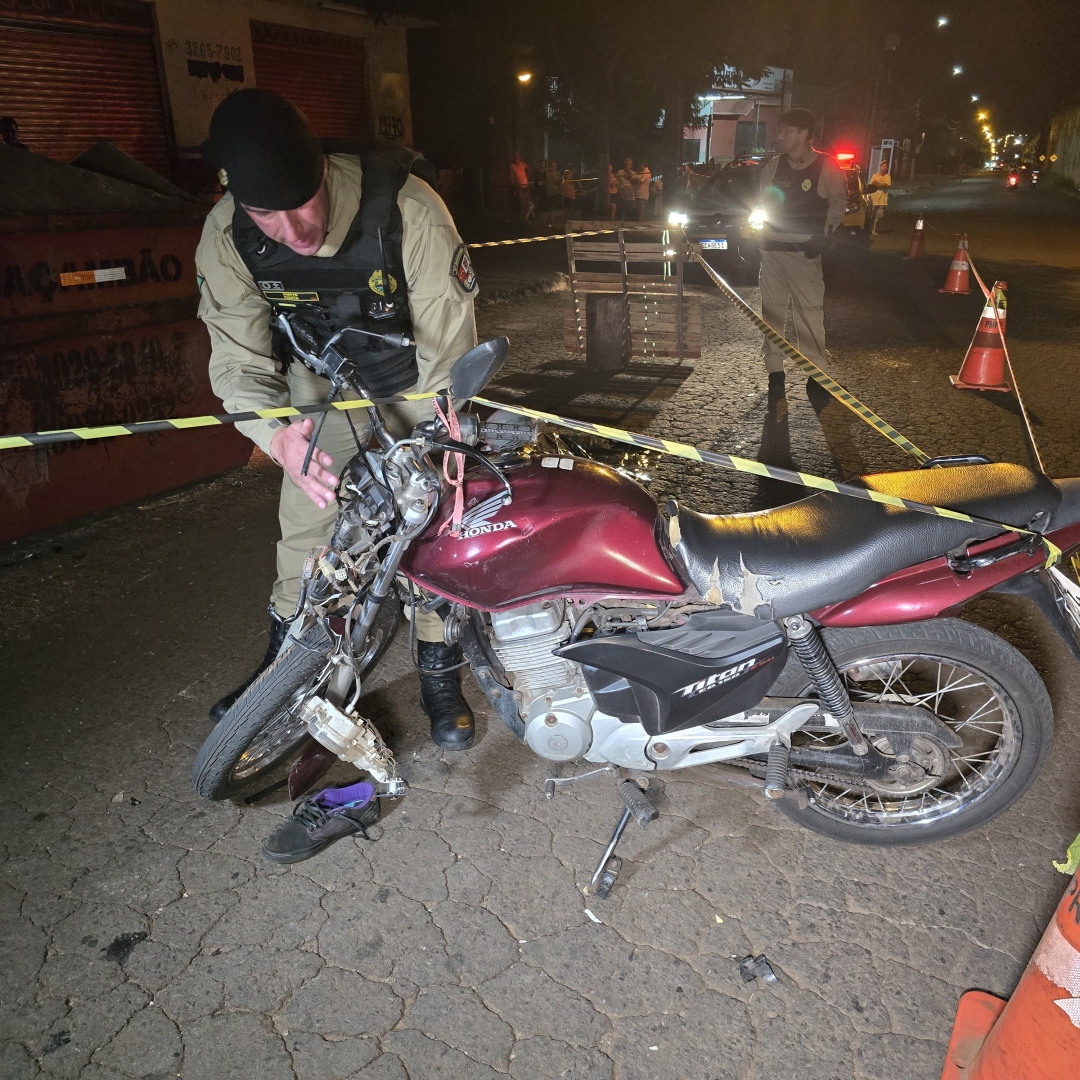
[[675, 218], [757, 218]]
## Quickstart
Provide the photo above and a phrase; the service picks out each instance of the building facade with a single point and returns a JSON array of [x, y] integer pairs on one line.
[[736, 119], [147, 76]]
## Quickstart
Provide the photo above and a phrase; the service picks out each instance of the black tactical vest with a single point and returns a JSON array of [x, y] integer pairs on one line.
[[792, 202], [346, 289]]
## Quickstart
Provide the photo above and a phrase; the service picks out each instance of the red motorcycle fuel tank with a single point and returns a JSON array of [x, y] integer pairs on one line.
[[574, 527]]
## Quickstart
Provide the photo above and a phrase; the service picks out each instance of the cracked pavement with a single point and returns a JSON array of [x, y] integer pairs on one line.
[[142, 934]]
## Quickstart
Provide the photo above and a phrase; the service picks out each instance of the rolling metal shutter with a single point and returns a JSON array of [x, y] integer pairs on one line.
[[321, 74], [71, 83]]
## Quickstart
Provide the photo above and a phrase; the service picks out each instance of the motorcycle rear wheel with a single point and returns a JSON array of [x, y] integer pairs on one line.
[[974, 682], [260, 731]]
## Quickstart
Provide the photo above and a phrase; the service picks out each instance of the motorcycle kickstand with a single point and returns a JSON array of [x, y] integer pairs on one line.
[[637, 806]]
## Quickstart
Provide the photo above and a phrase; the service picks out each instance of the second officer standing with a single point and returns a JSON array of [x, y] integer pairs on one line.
[[804, 196]]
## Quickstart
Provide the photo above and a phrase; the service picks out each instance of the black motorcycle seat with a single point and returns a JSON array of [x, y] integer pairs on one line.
[[829, 547]]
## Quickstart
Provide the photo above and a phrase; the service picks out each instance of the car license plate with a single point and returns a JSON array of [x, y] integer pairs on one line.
[[714, 245]]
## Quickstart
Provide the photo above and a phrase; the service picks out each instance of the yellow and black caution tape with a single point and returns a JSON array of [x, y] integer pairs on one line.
[[657, 227], [646, 442], [811, 369], [46, 438], [757, 468]]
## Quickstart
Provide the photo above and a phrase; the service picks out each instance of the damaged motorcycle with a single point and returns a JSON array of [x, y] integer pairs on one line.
[[814, 647]]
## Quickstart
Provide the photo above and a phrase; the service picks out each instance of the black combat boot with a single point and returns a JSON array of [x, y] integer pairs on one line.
[[440, 695], [818, 395], [278, 632]]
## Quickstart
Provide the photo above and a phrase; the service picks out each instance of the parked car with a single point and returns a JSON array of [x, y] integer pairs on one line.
[[717, 212]]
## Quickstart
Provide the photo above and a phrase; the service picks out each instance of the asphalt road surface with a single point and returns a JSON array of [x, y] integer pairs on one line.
[[141, 934]]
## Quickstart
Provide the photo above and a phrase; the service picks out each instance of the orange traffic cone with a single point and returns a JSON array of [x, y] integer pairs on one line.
[[984, 365], [956, 282], [915, 250], [1036, 1034]]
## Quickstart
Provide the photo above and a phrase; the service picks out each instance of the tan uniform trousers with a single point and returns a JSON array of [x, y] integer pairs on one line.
[[303, 525], [790, 277]]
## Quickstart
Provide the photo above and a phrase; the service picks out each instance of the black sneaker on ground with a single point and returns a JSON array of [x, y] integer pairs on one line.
[[278, 632], [320, 820], [452, 725]]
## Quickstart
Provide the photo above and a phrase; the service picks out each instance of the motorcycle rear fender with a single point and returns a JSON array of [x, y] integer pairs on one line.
[[933, 589]]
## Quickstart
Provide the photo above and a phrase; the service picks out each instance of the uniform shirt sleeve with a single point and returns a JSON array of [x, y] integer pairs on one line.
[[832, 185], [441, 284], [243, 372]]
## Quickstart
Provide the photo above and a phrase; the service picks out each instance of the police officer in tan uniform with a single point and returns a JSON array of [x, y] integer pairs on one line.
[[804, 196], [332, 241]]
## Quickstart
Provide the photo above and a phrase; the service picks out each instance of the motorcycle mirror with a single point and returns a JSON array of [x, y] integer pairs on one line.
[[476, 368]]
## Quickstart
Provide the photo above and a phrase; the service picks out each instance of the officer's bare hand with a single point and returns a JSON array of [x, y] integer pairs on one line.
[[288, 448]]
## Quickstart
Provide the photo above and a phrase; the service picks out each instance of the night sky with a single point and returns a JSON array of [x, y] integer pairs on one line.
[[1020, 56]]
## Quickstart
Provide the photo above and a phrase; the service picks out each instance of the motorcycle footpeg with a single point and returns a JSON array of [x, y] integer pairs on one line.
[[638, 803], [776, 772]]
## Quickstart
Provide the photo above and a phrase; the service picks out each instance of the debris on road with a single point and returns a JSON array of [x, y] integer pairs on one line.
[[756, 967]]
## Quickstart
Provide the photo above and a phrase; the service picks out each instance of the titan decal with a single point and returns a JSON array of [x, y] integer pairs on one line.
[[718, 678]]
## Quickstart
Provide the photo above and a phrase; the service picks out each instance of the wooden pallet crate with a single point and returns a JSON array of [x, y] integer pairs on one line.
[[664, 318]]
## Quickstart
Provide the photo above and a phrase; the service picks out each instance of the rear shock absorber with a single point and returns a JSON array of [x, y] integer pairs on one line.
[[810, 649]]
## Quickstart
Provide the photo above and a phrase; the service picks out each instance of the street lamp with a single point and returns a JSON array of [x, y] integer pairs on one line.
[[942, 20], [957, 69], [974, 97], [524, 77]]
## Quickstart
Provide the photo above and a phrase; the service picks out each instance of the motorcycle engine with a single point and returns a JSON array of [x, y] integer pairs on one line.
[[551, 693]]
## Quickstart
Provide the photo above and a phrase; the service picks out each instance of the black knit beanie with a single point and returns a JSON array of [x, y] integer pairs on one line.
[[270, 158]]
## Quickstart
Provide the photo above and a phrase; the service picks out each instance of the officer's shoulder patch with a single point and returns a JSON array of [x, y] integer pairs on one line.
[[461, 269]]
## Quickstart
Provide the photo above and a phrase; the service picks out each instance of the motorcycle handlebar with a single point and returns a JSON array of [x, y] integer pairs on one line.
[[504, 436]]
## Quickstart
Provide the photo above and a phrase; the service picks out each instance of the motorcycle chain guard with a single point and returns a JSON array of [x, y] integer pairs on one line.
[[900, 724]]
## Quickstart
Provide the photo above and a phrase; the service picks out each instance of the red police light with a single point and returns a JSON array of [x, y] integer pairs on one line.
[[845, 160]]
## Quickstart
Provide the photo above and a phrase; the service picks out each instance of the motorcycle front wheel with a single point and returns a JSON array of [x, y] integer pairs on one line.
[[970, 679], [262, 727]]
